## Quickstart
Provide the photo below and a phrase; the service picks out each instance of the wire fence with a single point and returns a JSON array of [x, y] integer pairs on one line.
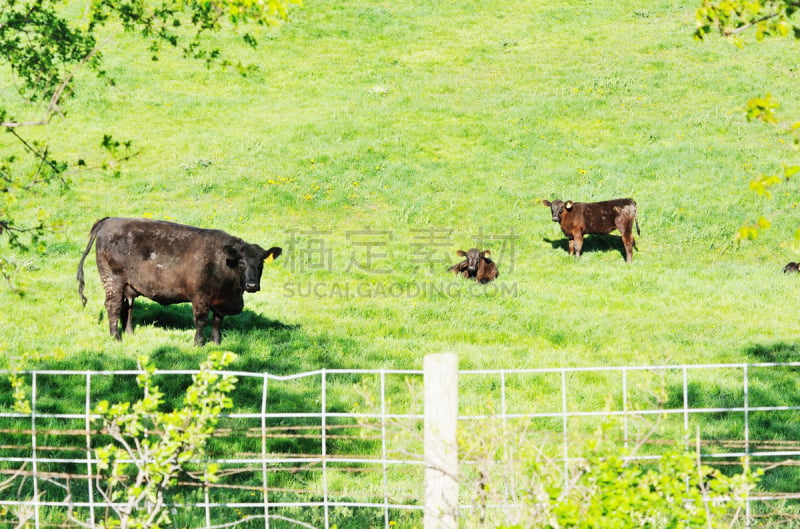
[[344, 448]]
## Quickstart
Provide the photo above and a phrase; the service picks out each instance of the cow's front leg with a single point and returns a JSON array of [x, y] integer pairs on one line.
[[577, 244], [571, 246], [216, 324], [200, 310]]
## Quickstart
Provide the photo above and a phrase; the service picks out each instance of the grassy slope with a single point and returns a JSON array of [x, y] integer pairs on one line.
[[409, 116]]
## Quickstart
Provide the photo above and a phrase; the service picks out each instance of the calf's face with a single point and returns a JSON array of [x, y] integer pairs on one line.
[[474, 257], [557, 207], [249, 259]]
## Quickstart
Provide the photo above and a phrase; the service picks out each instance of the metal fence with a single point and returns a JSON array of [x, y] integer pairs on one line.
[[344, 448]]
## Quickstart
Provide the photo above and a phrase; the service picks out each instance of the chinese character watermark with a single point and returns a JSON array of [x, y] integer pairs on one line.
[[380, 252]]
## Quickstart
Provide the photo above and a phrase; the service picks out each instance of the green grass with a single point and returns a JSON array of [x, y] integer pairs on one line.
[[417, 124], [404, 124]]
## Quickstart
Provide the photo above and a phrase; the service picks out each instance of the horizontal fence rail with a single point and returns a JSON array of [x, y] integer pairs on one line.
[[344, 448]]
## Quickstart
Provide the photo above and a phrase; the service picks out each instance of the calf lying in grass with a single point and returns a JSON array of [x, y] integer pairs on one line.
[[476, 266]]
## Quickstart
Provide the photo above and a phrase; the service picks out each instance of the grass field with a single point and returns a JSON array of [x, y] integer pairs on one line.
[[377, 138]]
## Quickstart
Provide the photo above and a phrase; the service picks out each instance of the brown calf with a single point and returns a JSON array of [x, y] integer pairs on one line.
[[476, 266], [583, 218]]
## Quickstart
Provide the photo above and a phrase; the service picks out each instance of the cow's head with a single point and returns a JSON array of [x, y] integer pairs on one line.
[[474, 257], [557, 207], [249, 260], [791, 268]]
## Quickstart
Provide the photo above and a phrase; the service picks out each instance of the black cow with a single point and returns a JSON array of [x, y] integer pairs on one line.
[[172, 263], [583, 218], [476, 266], [791, 268]]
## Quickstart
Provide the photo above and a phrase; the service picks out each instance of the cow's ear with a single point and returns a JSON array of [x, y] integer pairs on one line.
[[462, 253], [273, 253], [232, 255], [545, 202], [485, 253], [568, 205]]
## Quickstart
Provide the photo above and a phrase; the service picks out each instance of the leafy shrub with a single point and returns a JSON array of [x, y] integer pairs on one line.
[[517, 482]]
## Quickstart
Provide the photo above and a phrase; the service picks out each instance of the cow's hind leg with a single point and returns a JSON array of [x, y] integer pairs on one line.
[[628, 242], [115, 307], [115, 288], [126, 314]]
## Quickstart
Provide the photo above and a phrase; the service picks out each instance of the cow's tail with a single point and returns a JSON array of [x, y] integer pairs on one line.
[[79, 276], [636, 221]]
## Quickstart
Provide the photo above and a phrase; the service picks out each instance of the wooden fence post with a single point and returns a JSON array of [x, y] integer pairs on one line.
[[441, 448]]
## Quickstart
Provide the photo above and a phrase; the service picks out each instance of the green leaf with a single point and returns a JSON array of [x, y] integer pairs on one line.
[[790, 170], [762, 184], [762, 108]]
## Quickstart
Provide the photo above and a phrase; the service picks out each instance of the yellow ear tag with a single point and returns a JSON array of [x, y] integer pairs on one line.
[[269, 259]]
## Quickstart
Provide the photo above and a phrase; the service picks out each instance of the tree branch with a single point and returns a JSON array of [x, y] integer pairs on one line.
[[6, 226], [43, 157], [742, 29], [52, 107]]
